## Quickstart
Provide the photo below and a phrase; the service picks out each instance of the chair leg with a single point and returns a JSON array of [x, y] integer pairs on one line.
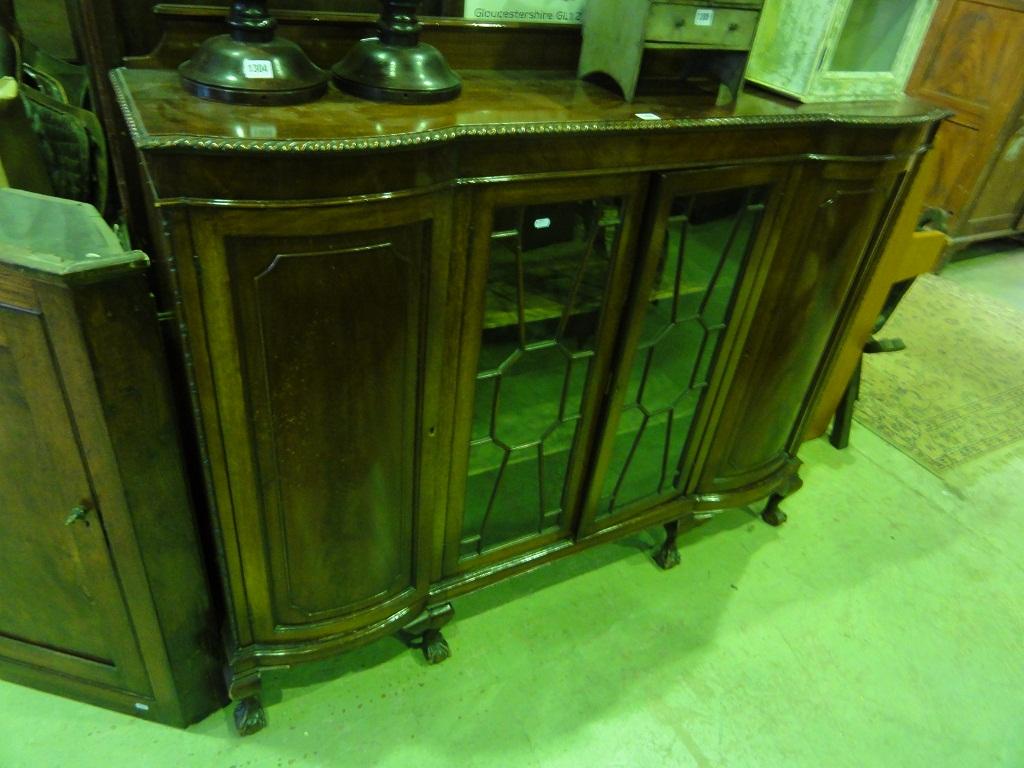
[[668, 556], [843, 421]]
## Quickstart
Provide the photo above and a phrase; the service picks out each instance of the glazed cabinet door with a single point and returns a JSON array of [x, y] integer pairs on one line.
[[824, 243], [61, 604], [548, 269], [708, 235], [322, 327], [870, 48]]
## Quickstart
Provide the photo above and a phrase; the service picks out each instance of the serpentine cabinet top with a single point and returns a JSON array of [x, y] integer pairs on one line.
[[160, 115]]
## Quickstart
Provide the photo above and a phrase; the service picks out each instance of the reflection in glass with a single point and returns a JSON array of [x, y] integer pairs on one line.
[[706, 244], [548, 273], [872, 34]]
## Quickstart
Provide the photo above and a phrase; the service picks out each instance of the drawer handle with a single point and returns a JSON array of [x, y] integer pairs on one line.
[[680, 23], [79, 512], [733, 27]]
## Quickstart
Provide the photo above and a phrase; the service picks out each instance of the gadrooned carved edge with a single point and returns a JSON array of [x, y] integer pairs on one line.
[[144, 140]]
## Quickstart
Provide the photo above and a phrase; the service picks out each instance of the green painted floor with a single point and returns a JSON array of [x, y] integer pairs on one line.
[[882, 626]]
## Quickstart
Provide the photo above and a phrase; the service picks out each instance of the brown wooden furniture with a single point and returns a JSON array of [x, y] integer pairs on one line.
[[625, 41], [908, 252], [118, 32], [431, 348], [102, 593], [970, 63]]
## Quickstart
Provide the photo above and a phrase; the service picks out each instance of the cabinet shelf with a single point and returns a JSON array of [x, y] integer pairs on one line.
[[546, 303]]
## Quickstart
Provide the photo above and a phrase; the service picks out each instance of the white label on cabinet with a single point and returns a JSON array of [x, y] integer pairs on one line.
[[262, 131], [647, 116], [258, 69], [542, 223], [704, 17]]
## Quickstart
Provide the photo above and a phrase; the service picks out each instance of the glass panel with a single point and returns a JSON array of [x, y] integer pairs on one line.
[[872, 35], [706, 245], [547, 277]]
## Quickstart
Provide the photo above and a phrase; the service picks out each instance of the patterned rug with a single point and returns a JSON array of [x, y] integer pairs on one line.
[[957, 391]]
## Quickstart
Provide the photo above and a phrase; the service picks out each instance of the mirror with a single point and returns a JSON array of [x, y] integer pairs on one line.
[[872, 35]]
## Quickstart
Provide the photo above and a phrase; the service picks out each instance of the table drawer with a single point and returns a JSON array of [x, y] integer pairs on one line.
[[703, 25]]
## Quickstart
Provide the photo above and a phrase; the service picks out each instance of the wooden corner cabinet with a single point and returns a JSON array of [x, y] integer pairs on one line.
[[103, 595], [431, 348]]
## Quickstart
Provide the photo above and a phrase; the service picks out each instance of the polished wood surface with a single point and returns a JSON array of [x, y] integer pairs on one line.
[[533, 101], [801, 303], [908, 253], [416, 363], [86, 631], [105, 597], [970, 63], [325, 327]]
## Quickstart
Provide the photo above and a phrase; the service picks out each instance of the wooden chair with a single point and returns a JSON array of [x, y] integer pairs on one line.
[[50, 117], [21, 158], [839, 437]]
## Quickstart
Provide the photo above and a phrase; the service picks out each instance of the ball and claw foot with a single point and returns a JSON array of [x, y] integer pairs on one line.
[[435, 647], [772, 514], [424, 632], [668, 556], [250, 716]]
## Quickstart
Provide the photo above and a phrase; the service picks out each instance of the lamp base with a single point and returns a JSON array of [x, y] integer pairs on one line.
[[272, 72], [416, 74]]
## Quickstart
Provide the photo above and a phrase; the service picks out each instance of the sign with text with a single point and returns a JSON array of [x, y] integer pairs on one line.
[[543, 11]]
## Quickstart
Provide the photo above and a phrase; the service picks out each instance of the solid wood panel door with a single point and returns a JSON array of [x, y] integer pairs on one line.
[[1000, 201], [708, 235], [959, 145], [822, 248], [322, 328], [970, 63], [61, 606], [549, 266]]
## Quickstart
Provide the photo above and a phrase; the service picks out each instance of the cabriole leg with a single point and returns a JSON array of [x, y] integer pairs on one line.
[[424, 632], [772, 514], [250, 716], [435, 647], [668, 556]]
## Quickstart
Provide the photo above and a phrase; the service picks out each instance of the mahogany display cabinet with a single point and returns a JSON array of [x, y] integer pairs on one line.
[[432, 348]]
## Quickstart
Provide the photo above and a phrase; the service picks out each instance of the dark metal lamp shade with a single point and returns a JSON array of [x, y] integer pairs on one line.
[[251, 65], [396, 66]]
